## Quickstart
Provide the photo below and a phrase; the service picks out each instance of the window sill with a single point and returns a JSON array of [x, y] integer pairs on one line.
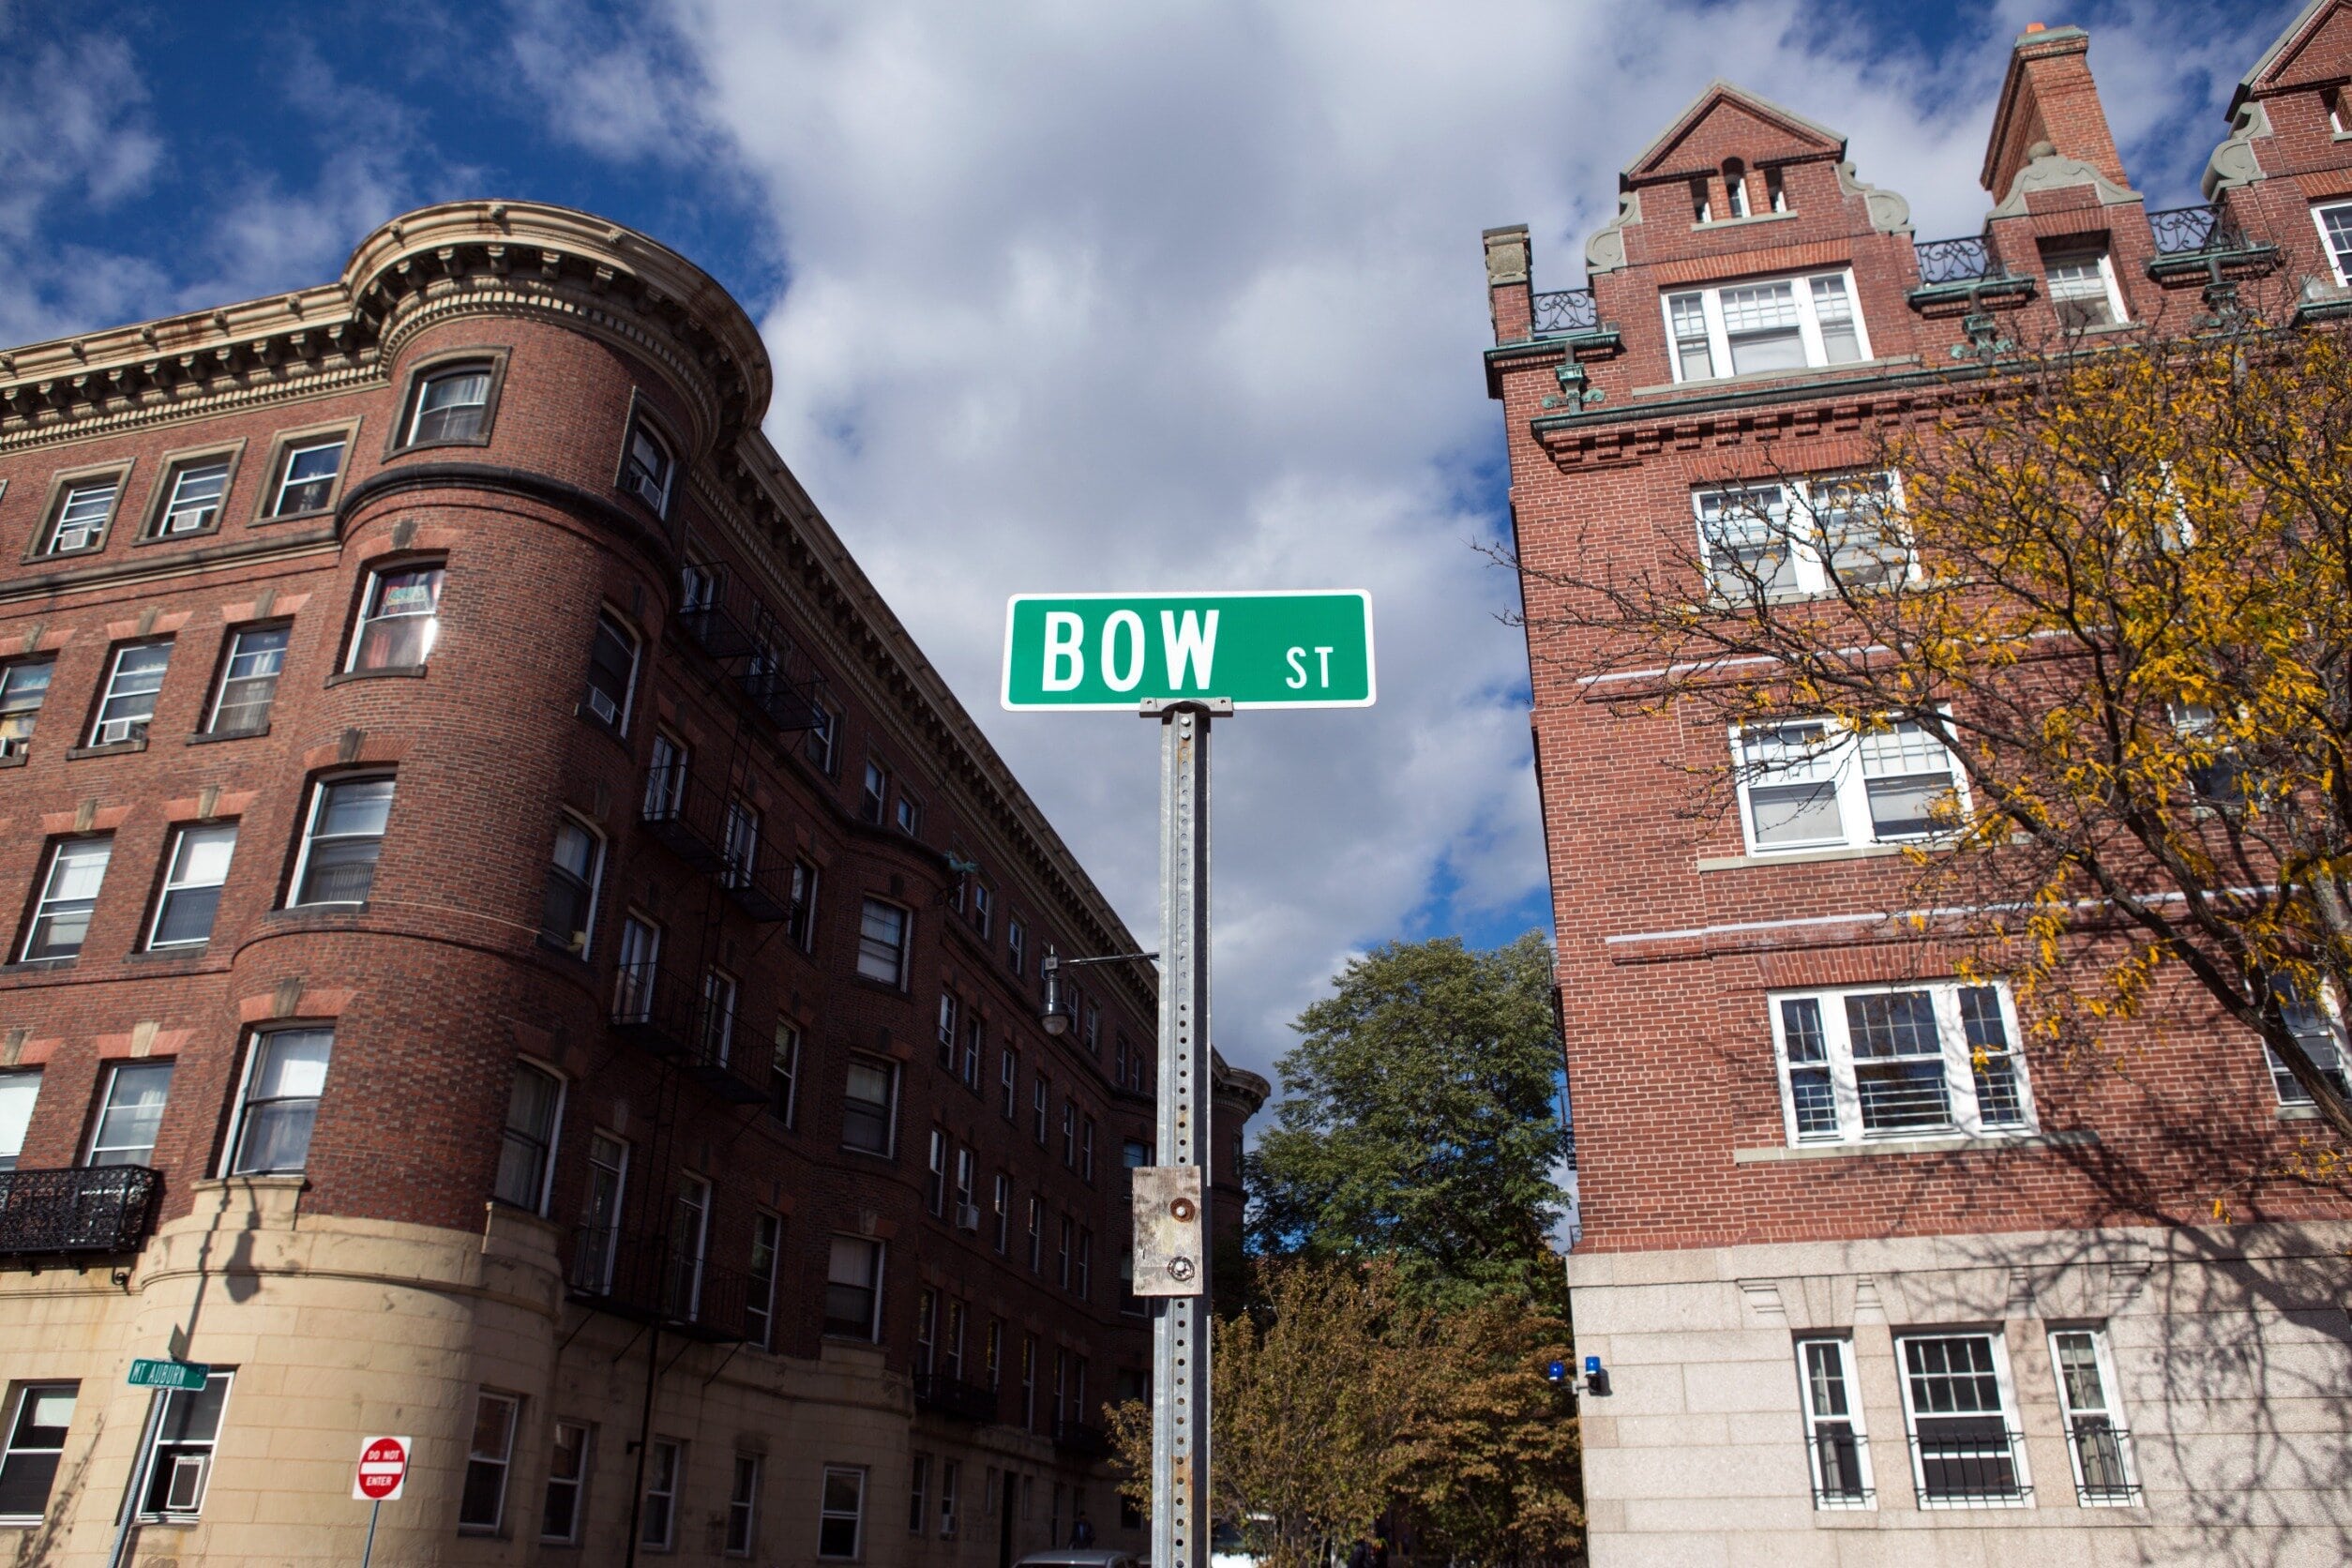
[[389, 672], [38, 555], [1807, 857], [311, 515], [183, 534], [2299, 1113], [155, 955], [1750, 378], [210, 736], [443, 443], [16, 759], [889, 1156], [885, 986], [40, 966], [1989, 1142], [112, 748]]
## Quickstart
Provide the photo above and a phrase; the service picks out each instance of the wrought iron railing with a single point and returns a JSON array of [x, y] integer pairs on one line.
[[1567, 310], [1076, 1436], [683, 1017], [2192, 231], [100, 1210], [719, 835], [2103, 1470], [1956, 261], [1975, 1468], [953, 1397], [1836, 1453], [645, 1278], [727, 619]]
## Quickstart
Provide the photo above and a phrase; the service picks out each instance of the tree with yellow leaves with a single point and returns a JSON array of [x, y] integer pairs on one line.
[[2115, 584]]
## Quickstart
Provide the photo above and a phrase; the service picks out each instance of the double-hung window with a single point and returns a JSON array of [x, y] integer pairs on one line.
[[342, 843], [179, 1464], [20, 1091], [2318, 1031], [666, 779], [638, 970], [840, 1513], [249, 681], [2334, 220], [285, 1073], [1903, 1062], [400, 619], [646, 467], [612, 673], [1016, 948], [600, 1214], [451, 405], [657, 1522], [690, 1240], [1806, 537], [935, 1185], [567, 913], [132, 682], [1008, 1081], [2096, 1439], [560, 1511], [35, 1444], [1838, 1451], [874, 797], [1782, 324], [800, 914], [869, 1105], [853, 1286], [306, 482], [824, 738], [482, 1502], [2083, 288], [1814, 784], [61, 917], [131, 1115], [526, 1153], [1966, 1450], [759, 1307], [193, 504], [719, 1017], [784, 1074], [882, 942], [739, 841], [1001, 1207], [743, 1506], [82, 514], [950, 1010], [195, 869], [22, 688]]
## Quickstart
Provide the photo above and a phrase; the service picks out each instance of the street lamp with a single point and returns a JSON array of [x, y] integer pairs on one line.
[[1056, 1014]]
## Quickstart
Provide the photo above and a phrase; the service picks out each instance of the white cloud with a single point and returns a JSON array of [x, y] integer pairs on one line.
[[1166, 294]]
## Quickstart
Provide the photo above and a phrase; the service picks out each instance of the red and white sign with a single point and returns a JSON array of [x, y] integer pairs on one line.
[[382, 1470]]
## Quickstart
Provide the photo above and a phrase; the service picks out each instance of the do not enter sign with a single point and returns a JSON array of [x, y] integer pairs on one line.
[[382, 1470]]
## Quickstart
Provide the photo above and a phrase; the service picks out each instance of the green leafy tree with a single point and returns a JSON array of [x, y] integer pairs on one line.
[[1419, 1121]]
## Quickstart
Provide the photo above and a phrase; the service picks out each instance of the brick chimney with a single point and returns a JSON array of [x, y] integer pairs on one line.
[[2049, 98]]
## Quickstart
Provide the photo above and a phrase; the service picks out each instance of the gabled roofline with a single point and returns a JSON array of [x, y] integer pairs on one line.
[[2295, 32], [1755, 102]]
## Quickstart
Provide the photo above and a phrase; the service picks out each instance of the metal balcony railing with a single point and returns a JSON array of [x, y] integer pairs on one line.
[[1076, 1436], [955, 1398], [682, 1018], [1836, 1453], [1966, 259], [1962, 1463], [1567, 310], [645, 1279], [47, 1212], [2194, 231], [2103, 1470], [718, 833], [721, 615]]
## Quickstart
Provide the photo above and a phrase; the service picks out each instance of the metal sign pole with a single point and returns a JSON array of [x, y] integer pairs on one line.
[[1180, 1323], [367, 1553], [137, 1482]]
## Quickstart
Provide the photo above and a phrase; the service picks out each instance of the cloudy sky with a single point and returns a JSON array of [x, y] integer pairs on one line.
[[1068, 296]]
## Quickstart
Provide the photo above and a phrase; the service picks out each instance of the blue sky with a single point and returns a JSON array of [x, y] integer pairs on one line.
[[1070, 296]]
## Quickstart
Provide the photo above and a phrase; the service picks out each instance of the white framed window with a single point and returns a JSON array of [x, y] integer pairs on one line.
[[873, 799], [20, 1091], [612, 673], [646, 468], [992, 1356], [179, 1463], [743, 1506], [130, 1115], [1781, 323], [1008, 1083], [567, 913], [1813, 784], [2082, 288], [452, 404], [869, 1105], [784, 1074], [1837, 1450], [908, 812], [600, 1212], [2320, 1032], [824, 739], [561, 1511], [925, 1333], [950, 1478], [2334, 222], [69, 892], [82, 514], [740, 841], [249, 681], [691, 1230], [800, 916], [1016, 948], [718, 1017], [526, 1152], [666, 779], [637, 969], [983, 910], [24, 687], [489, 1455], [193, 504], [935, 1174], [767, 1242], [305, 482], [285, 1073], [343, 840], [1000, 1206], [1040, 1113], [1966, 1450], [399, 618], [1036, 1234], [35, 1444], [841, 1512], [966, 1215], [132, 684], [196, 867], [1802, 538], [657, 1521], [1900, 1062], [1029, 1398], [2099, 1444], [881, 942], [854, 1275]]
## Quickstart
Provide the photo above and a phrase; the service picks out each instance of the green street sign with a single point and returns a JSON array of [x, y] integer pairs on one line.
[[1113, 652], [187, 1376]]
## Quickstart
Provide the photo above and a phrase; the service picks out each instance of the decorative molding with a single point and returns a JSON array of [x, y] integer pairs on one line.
[[2056, 171], [1605, 250], [1890, 214], [2234, 163]]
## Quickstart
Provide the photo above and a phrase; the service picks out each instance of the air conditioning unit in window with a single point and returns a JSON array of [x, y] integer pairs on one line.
[[968, 1217], [602, 707], [184, 1485], [116, 730], [15, 745]]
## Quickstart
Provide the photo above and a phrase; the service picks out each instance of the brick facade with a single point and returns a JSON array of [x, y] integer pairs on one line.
[[761, 650], [1714, 1236]]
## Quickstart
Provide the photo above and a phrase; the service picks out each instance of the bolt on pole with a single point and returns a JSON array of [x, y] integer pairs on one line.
[[1175, 1224]]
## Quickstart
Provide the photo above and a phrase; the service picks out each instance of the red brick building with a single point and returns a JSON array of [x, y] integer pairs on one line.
[[1847, 1318], [517, 948]]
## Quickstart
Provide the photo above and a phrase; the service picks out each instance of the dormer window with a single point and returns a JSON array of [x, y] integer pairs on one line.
[[1735, 185], [1784, 323], [2082, 288]]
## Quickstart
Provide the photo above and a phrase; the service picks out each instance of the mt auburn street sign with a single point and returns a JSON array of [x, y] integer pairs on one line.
[[1114, 651]]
